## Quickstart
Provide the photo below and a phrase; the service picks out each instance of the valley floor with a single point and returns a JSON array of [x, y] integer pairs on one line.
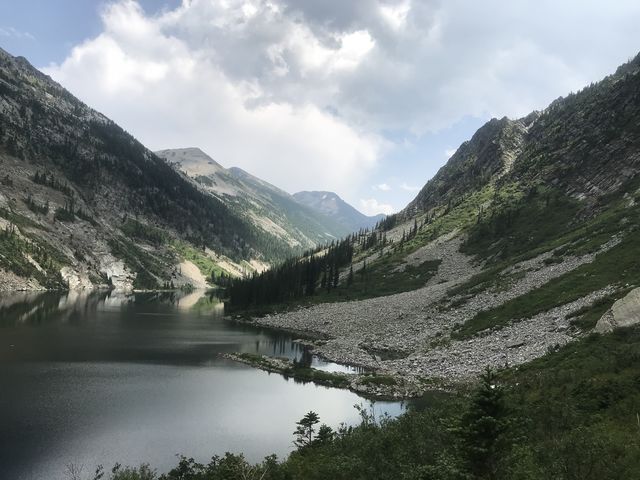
[[411, 336]]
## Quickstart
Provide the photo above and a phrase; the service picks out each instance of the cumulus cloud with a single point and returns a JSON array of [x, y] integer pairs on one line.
[[149, 74], [304, 93], [435, 61], [371, 206]]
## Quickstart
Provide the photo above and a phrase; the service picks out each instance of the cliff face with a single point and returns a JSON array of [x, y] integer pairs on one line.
[[489, 154]]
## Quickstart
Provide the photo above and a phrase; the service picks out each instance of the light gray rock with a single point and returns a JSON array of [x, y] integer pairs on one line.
[[76, 280], [624, 313]]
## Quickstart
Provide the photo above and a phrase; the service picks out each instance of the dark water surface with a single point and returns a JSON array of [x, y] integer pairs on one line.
[[101, 378]]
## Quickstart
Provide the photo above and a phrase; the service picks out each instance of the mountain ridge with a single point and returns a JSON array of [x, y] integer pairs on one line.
[[270, 208], [615, 92], [331, 205]]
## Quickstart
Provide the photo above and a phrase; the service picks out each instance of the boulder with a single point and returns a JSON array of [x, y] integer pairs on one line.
[[623, 313]]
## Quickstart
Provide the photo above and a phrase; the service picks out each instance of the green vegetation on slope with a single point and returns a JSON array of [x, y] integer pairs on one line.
[[618, 266], [146, 233], [148, 268], [385, 276], [207, 266], [28, 256], [515, 224]]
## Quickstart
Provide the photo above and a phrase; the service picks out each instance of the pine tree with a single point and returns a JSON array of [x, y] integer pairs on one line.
[[305, 428], [325, 434], [483, 427]]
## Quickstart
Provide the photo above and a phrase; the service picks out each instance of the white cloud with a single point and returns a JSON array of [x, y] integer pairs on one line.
[[303, 92], [436, 61], [169, 93], [382, 187], [396, 14], [409, 188], [371, 206]]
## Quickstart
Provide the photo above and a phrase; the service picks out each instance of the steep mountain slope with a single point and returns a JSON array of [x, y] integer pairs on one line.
[[489, 154], [332, 206], [83, 203], [521, 243], [584, 145], [271, 210]]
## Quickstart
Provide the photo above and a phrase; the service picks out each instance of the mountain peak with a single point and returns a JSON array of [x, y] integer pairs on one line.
[[331, 205], [191, 159]]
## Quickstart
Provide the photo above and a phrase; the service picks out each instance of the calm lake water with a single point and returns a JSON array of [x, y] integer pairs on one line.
[[102, 378]]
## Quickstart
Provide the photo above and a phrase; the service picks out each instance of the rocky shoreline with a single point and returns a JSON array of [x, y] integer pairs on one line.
[[369, 385]]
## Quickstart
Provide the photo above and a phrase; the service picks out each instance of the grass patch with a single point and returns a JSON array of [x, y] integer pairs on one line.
[[447, 218], [381, 380], [304, 375], [298, 373], [618, 266], [380, 279], [516, 224], [199, 258]]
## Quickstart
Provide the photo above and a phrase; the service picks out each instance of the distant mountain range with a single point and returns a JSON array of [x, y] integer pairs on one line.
[[273, 211], [334, 207]]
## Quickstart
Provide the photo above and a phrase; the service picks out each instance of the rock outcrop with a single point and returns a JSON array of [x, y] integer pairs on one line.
[[623, 313]]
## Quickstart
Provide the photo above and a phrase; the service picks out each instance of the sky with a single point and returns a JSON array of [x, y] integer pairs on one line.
[[367, 98]]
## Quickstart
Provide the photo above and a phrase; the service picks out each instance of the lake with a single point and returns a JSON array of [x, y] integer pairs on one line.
[[100, 378]]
